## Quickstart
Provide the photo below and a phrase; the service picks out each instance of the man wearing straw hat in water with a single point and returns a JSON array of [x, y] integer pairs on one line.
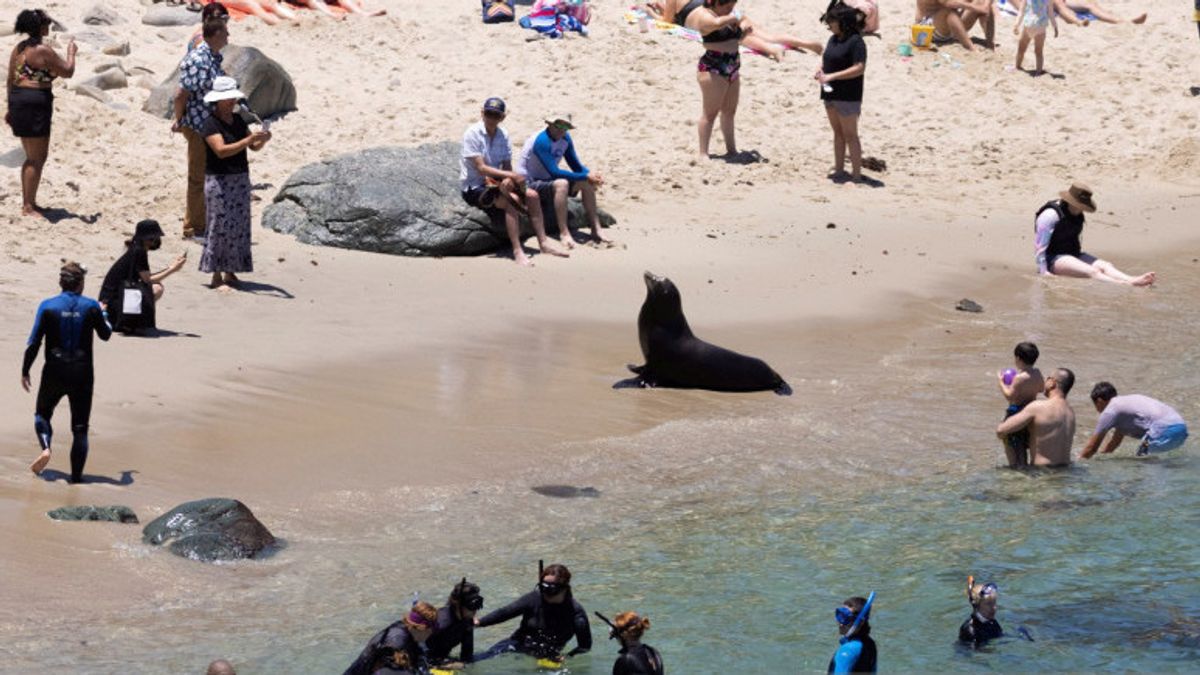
[[1057, 228]]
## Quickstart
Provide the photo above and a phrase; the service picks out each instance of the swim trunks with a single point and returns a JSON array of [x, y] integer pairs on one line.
[[1018, 441], [1167, 438], [725, 64]]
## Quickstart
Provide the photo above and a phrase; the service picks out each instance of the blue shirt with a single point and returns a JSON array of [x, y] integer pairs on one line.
[[541, 155], [67, 322], [196, 74]]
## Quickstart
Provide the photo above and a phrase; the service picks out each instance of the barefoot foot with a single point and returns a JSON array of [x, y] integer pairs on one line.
[[1140, 19], [40, 463], [1146, 279], [550, 250]]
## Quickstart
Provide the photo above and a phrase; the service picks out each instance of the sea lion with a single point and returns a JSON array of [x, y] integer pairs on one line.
[[677, 358]]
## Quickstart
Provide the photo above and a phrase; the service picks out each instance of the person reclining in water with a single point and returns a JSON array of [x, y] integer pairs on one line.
[[550, 617], [773, 45]]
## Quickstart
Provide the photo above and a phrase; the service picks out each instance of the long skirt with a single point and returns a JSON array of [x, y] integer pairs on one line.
[[227, 238]]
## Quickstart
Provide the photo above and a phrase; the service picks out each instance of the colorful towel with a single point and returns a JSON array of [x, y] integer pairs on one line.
[[549, 22]]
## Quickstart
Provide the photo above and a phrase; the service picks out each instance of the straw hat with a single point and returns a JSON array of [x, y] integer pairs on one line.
[[1079, 196], [561, 121]]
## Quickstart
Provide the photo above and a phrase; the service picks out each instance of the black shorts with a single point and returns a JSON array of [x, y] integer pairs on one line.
[[472, 196], [30, 111], [545, 188]]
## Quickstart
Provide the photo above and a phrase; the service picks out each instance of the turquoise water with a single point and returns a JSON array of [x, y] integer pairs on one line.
[[741, 526]]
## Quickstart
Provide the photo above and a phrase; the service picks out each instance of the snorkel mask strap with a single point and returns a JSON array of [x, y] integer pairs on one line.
[[611, 626], [862, 616]]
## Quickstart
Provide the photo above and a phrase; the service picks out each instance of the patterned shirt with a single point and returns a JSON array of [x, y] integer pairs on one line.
[[196, 74]]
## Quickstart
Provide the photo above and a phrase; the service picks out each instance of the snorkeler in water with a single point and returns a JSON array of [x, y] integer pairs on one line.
[[635, 658], [550, 617], [981, 626], [856, 651]]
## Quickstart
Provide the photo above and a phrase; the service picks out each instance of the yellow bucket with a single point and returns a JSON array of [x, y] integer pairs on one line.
[[922, 36]]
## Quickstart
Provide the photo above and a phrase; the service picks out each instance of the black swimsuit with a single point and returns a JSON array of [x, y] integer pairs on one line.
[[725, 64]]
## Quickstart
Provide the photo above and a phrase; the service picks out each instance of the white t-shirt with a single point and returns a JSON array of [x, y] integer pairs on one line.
[[494, 151]]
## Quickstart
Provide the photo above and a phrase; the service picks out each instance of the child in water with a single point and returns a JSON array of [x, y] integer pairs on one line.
[[1020, 391], [981, 626], [856, 650]]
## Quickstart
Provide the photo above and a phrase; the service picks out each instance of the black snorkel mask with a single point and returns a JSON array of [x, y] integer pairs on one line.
[[549, 588], [467, 596]]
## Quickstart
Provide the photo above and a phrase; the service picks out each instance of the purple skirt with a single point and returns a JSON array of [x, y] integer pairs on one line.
[[227, 238]]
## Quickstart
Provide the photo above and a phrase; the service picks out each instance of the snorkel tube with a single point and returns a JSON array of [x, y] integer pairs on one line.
[[862, 616], [612, 628]]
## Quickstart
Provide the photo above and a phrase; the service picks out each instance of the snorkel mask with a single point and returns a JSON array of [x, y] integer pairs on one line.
[[548, 588], [467, 596], [976, 596], [847, 617]]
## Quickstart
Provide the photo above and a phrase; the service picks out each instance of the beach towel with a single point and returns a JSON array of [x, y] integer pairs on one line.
[[497, 11], [549, 22], [1010, 9], [580, 9]]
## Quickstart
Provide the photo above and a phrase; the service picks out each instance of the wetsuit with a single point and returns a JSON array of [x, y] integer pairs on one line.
[[978, 630], [451, 632], [388, 647], [67, 322], [639, 660], [856, 655], [545, 627]]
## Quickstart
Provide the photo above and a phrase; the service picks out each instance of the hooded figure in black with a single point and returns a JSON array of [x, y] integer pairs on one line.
[[981, 626], [456, 625], [550, 617]]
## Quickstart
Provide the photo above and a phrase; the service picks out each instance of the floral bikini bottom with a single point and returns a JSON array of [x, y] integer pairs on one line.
[[725, 64]]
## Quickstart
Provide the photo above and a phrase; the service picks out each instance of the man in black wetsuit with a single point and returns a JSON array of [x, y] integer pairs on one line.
[[456, 626], [66, 322], [981, 626], [550, 617]]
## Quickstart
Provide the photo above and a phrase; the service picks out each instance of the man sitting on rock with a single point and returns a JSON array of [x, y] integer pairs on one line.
[[539, 164], [487, 158]]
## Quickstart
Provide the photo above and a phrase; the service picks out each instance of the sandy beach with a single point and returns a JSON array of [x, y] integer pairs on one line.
[[350, 382]]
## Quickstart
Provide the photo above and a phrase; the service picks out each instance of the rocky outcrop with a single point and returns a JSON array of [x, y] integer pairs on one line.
[[266, 84], [170, 15], [114, 514], [403, 201], [210, 530]]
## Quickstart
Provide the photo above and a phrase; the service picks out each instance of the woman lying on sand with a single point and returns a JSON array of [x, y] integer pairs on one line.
[[271, 11], [773, 45]]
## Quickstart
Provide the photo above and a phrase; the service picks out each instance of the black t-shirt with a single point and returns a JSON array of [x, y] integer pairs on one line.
[[840, 54], [126, 268], [232, 133]]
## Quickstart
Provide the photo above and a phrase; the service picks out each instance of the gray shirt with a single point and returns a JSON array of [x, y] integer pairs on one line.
[[1136, 415]]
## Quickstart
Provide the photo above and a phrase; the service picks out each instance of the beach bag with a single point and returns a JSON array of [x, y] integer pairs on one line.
[[134, 305], [498, 11]]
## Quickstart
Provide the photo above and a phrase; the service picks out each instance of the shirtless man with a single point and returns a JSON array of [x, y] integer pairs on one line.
[[1022, 390], [949, 19], [1051, 422]]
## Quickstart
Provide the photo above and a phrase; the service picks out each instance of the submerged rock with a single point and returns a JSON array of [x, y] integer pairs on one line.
[[115, 514], [209, 530], [403, 201], [565, 491], [267, 86]]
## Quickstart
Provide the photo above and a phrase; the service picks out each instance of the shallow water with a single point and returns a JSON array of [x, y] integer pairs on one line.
[[737, 523]]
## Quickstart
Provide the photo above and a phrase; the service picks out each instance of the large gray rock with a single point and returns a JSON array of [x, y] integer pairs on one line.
[[113, 78], [92, 92], [167, 15], [99, 15], [266, 84], [403, 201], [115, 514], [209, 530]]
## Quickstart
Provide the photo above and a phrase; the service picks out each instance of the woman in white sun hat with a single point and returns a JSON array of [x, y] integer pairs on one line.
[[227, 185]]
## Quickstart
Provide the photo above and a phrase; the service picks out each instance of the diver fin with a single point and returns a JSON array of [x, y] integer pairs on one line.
[[783, 389]]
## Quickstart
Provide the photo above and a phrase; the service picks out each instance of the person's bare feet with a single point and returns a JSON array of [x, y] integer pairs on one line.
[[1145, 280], [40, 463], [600, 238], [216, 281], [232, 280], [550, 250], [1140, 19], [567, 240], [521, 259]]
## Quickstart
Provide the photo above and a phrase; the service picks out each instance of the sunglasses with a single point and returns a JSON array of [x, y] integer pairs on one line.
[[722, 3], [493, 115]]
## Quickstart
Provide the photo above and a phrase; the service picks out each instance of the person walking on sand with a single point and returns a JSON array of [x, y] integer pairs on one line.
[[1051, 422], [1157, 426], [1032, 18], [539, 164], [841, 76], [197, 71], [487, 157], [66, 322], [1020, 387], [1058, 250], [227, 185], [32, 69]]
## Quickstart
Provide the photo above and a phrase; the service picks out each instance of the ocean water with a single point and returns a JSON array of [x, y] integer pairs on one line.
[[738, 523]]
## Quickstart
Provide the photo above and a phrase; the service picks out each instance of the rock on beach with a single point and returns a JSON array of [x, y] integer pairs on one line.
[[115, 514], [266, 84], [210, 530]]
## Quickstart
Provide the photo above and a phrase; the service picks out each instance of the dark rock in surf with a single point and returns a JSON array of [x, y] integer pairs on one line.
[[267, 86], [403, 201], [565, 491], [210, 530], [113, 514], [968, 305]]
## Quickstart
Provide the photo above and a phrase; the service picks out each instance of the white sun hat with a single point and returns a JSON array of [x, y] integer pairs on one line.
[[223, 88]]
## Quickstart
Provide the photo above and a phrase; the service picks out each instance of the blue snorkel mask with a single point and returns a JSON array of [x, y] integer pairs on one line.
[[847, 617]]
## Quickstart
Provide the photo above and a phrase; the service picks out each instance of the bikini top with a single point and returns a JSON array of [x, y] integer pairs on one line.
[[733, 32], [38, 75], [682, 15]]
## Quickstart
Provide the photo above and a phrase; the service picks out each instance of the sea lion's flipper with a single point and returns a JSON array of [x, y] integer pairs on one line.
[[635, 369], [783, 389], [630, 383]]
